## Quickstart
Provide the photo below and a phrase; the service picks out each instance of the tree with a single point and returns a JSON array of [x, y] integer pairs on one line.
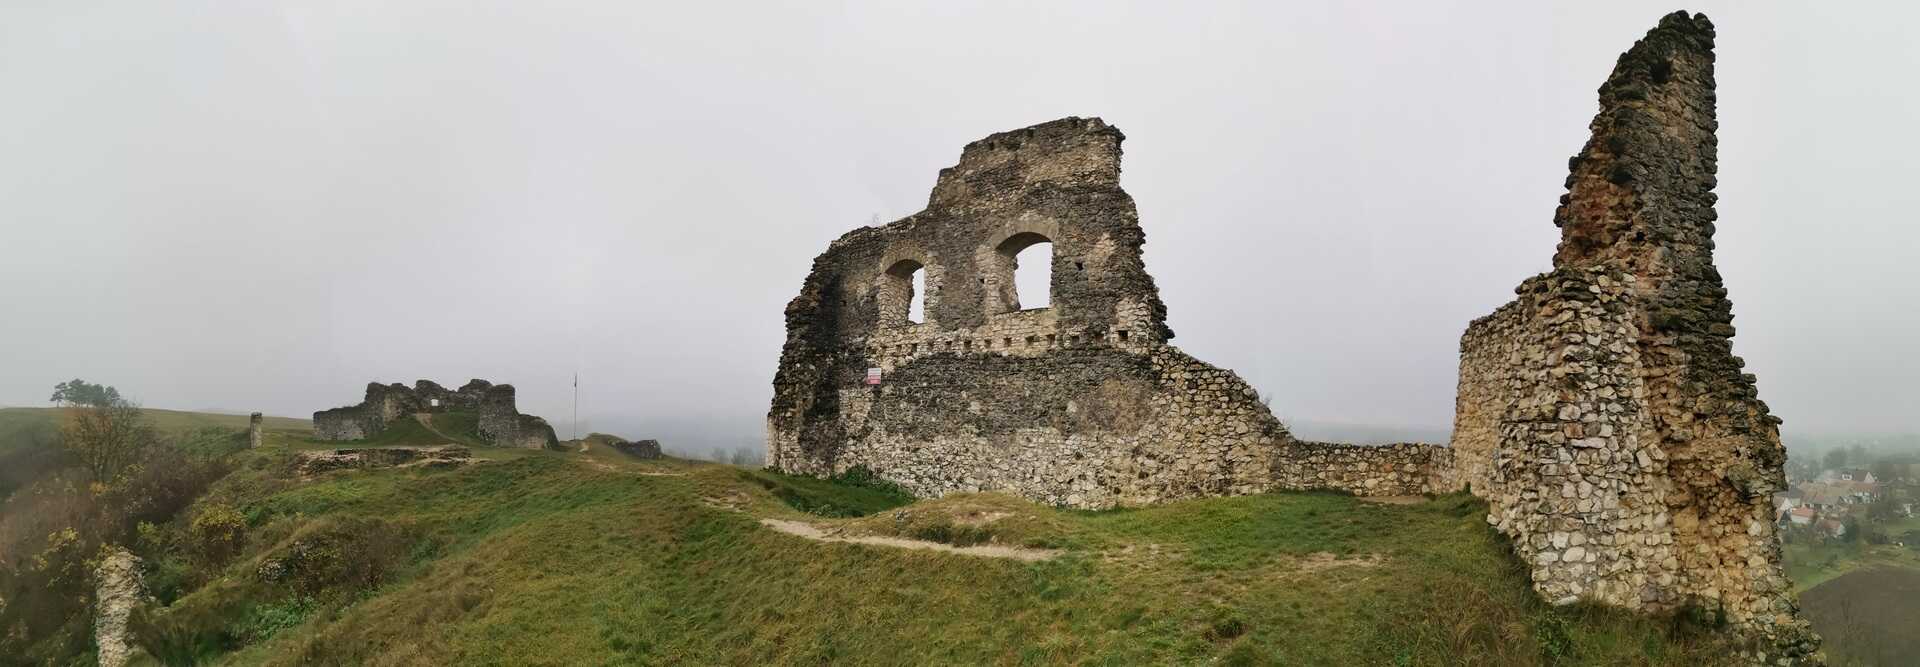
[[1836, 458], [81, 392], [1884, 508], [1887, 471], [746, 456], [105, 439]]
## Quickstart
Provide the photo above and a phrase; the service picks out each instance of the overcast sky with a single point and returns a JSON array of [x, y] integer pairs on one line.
[[264, 205]]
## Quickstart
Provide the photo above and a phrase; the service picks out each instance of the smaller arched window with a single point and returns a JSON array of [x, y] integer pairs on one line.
[[1026, 268], [902, 294]]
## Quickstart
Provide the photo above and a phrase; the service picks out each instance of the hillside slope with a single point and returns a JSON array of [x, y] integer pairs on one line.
[[554, 558], [16, 422]]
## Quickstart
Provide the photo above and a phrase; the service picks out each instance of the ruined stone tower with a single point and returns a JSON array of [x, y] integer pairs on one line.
[[1602, 413], [1082, 403]]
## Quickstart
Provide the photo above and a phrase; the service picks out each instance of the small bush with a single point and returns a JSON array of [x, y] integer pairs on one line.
[[263, 622], [218, 531], [1555, 637], [1225, 627], [348, 554]]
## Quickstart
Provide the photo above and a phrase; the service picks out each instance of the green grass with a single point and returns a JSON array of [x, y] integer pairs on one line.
[[849, 495], [556, 558], [463, 427], [16, 420], [1812, 564]]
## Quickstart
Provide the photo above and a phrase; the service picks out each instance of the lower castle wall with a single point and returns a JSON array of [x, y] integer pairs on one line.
[[1088, 427], [1400, 469]]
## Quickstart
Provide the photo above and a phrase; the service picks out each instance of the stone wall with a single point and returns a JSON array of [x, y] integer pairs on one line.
[[500, 422], [1082, 403], [1602, 413], [1399, 469]]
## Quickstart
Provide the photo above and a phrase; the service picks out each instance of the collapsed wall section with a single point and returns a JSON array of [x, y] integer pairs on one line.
[[1602, 414], [1082, 403], [499, 421]]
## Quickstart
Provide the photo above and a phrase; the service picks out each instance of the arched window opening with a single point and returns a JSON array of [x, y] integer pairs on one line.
[[1029, 257], [902, 295], [917, 298]]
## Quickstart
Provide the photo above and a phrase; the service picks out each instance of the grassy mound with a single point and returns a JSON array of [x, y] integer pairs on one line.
[[552, 558]]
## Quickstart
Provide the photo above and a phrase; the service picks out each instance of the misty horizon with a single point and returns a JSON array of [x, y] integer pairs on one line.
[[265, 207]]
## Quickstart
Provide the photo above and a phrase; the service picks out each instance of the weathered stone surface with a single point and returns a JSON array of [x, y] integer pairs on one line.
[[253, 430], [118, 589], [1082, 403], [1602, 413], [500, 422]]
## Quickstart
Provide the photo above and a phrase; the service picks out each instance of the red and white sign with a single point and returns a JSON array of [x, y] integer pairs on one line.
[[873, 376]]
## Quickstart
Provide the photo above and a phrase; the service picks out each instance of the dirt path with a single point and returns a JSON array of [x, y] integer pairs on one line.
[[426, 419], [118, 592], [811, 532]]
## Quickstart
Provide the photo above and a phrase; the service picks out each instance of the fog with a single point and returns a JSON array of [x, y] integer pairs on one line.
[[265, 205]]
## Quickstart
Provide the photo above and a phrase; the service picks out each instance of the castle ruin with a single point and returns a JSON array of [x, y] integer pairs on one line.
[[1602, 414], [500, 422], [1082, 403]]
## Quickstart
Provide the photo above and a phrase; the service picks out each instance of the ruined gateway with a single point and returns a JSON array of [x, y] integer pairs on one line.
[[1601, 414], [499, 421]]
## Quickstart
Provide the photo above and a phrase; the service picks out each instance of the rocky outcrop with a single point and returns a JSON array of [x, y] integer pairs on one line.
[[499, 421], [1602, 413], [118, 588], [1082, 403], [640, 449]]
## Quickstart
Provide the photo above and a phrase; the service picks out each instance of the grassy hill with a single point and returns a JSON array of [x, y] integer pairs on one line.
[[571, 558], [17, 423], [26, 437]]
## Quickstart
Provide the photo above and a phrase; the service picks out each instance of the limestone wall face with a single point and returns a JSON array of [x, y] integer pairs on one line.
[[500, 422], [1602, 413], [1400, 469], [1082, 404]]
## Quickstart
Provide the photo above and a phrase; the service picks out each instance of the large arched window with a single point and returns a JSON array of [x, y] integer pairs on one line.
[[1028, 258], [902, 296]]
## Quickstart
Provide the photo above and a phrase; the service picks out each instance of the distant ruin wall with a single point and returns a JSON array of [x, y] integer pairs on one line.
[[500, 422], [1602, 413], [1399, 469], [1081, 404]]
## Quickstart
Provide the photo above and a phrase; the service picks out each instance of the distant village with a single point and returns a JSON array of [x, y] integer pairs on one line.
[[1848, 503]]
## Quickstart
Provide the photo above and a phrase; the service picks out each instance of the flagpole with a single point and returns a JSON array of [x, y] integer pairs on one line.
[[576, 405]]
